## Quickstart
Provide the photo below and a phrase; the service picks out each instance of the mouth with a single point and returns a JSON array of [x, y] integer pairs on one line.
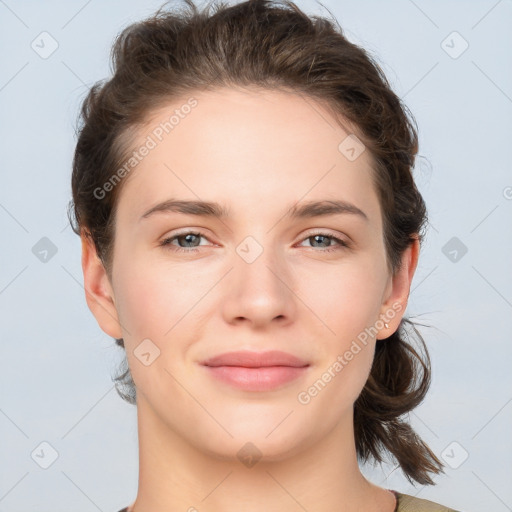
[[256, 371]]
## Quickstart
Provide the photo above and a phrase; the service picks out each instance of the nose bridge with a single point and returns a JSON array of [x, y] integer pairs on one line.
[[258, 264], [258, 289]]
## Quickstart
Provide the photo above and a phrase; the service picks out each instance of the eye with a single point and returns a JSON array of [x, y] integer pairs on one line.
[[327, 238], [189, 238]]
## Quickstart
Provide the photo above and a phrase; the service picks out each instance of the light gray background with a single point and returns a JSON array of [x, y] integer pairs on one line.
[[56, 363]]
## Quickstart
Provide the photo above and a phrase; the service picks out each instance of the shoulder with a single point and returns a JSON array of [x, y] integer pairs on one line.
[[408, 503]]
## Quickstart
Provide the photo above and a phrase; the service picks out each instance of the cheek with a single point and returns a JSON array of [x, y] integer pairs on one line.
[[152, 303], [157, 306], [347, 299], [348, 306], [140, 303]]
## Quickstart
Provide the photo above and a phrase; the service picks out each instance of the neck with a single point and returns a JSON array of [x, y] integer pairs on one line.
[[176, 476]]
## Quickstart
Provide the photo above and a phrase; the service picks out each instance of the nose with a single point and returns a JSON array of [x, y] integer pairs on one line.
[[259, 292]]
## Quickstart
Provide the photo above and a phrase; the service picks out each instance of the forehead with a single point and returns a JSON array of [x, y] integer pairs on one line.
[[250, 146]]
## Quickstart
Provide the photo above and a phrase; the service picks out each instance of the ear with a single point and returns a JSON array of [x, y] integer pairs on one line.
[[397, 291], [99, 293]]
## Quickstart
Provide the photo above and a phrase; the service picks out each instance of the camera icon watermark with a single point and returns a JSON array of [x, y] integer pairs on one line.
[[454, 455], [45, 45], [454, 249], [454, 45], [249, 455], [44, 455], [146, 352], [249, 249], [44, 249], [351, 147]]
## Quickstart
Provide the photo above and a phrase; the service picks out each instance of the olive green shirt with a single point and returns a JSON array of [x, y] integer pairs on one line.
[[405, 503]]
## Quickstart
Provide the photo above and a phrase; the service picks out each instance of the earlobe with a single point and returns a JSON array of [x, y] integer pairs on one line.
[[393, 308], [98, 289]]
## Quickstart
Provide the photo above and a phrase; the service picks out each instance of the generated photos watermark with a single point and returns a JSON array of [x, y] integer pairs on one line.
[[152, 140], [304, 397]]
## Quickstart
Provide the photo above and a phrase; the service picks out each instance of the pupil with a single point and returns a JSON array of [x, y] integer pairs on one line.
[[187, 237], [317, 237]]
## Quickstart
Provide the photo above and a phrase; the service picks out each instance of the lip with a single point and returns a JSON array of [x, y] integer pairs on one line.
[[256, 371], [249, 359]]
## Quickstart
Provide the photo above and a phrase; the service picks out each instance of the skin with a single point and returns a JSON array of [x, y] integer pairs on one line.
[[258, 153]]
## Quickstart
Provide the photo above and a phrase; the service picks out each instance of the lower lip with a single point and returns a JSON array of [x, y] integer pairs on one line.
[[256, 379]]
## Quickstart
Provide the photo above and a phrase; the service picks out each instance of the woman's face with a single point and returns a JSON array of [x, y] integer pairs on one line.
[[268, 275]]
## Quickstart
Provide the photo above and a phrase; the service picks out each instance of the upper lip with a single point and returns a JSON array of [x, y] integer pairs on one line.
[[255, 359]]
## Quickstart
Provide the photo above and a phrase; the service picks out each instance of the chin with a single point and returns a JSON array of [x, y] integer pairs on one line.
[[252, 450], [260, 440]]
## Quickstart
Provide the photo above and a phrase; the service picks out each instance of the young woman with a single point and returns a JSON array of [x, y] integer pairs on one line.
[[250, 230]]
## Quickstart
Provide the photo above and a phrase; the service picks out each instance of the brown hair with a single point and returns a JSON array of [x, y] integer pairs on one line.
[[273, 45]]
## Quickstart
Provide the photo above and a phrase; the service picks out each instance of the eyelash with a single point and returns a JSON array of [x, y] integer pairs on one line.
[[341, 244]]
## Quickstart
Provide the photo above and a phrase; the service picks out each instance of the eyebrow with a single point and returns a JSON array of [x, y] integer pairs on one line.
[[304, 210]]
